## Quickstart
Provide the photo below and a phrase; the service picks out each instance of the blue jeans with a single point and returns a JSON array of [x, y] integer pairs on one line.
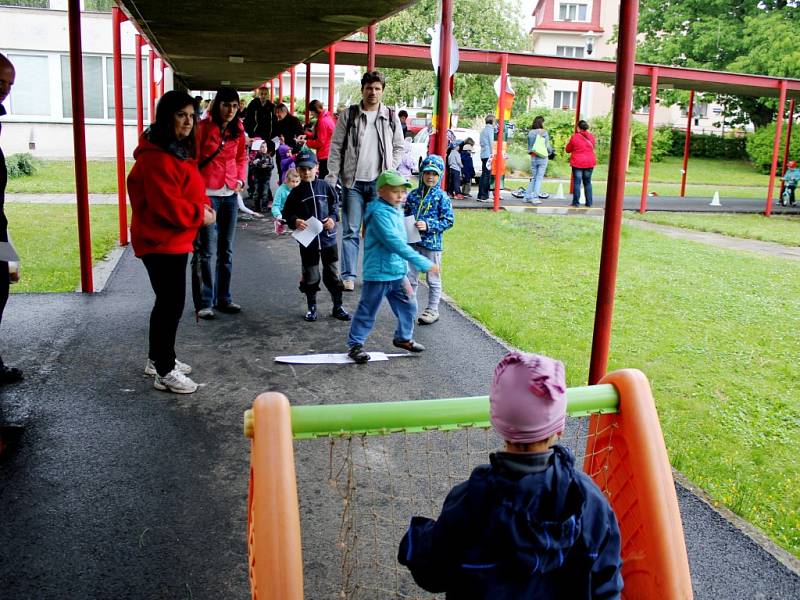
[[219, 236], [585, 176], [538, 167], [353, 204], [401, 300], [483, 183]]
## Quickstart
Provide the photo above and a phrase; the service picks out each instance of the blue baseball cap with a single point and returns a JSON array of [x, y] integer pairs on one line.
[[306, 158]]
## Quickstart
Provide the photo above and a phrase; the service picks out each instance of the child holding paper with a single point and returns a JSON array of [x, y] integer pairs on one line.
[[310, 204], [433, 215]]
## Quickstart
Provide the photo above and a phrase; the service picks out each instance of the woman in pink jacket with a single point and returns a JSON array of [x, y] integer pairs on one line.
[[222, 160], [582, 160]]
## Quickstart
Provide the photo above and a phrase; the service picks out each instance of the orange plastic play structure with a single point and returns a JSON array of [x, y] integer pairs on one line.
[[625, 455]]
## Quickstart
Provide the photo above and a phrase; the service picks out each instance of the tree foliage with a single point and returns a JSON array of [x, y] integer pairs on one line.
[[483, 24], [746, 36]]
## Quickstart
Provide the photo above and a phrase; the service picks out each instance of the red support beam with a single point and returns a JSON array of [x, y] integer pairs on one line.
[[151, 68], [272, 90], [648, 153], [500, 160], [139, 92], [687, 141], [161, 82], [79, 142], [577, 118], [280, 87], [776, 147], [787, 146], [612, 224], [308, 91], [331, 76], [119, 125], [442, 110], [292, 84], [371, 33]]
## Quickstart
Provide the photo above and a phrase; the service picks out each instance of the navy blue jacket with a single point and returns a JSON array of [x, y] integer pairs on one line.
[[526, 526], [313, 199]]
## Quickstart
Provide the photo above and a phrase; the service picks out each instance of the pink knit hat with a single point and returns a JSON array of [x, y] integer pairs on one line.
[[528, 398]]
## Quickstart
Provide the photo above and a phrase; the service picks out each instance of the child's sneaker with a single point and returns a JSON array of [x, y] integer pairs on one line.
[[409, 345], [311, 314], [175, 382], [340, 313], [150, 368], [428, 317], [357, 354]]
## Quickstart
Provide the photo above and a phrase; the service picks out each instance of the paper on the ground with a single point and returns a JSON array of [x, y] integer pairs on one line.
[[7, 253], [308, 234], [331, 359], [411, 230]]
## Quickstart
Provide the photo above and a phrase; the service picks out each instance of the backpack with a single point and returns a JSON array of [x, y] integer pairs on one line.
[[352, 114], [539, 147]]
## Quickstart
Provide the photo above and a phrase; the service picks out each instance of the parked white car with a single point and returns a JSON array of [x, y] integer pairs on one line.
[[419, 147]]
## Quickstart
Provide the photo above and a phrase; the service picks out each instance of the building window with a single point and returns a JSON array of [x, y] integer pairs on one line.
[[570, 51], [319, 93], [565, 100], [26, 4], [93, 98], [700, 110], [128, 87], [30, 94], [572, 11]]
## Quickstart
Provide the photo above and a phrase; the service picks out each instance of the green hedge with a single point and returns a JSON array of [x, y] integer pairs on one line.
[[21, 165], [707, 146], [760, 144]]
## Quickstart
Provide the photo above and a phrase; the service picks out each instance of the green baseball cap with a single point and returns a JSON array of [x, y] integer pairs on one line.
[[393, 178]]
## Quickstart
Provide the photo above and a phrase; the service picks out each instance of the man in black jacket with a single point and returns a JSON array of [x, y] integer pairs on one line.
[[289, 127], [7, 75], [259, 118]]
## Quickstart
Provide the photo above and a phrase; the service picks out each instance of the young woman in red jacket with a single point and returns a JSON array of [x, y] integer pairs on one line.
[[582, 159], [222, 159], [169, 206]]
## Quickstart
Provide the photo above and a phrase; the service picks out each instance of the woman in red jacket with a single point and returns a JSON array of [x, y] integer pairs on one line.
[[582, 159], [222, 159], [169, 206]]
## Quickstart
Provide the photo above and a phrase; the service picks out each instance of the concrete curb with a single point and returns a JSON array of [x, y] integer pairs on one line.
[[103, 270]]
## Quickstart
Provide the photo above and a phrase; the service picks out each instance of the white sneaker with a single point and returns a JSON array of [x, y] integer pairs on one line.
[[428, 317], [349, 285], [150, 368], [175, 382]]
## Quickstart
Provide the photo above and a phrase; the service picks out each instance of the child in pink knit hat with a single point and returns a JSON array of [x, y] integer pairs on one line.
[[527, 525]]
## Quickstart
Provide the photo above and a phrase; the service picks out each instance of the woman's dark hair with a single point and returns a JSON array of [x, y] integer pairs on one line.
[[162, 131], [538, 123], [373, 77], [583, 125], [225, 94]]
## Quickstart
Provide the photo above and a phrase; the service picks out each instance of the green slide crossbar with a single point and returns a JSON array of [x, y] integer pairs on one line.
[[413, 416]]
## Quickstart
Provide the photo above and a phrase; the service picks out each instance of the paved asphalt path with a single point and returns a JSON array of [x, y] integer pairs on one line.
[[116, 490]]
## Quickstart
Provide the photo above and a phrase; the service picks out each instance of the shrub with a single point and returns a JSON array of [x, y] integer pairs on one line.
[[21, 165], [760, 143], [706, 146]]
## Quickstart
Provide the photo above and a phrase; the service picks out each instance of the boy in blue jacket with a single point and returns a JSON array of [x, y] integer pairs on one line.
[[433, 215], [315, 198], [528, 525], [386, 257]]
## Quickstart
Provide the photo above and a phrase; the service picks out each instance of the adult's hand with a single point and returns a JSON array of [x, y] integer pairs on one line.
[[209, 215], [328, 224]]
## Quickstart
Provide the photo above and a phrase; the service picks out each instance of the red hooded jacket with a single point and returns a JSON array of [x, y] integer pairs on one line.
[[321, 142], [229, 166], [167, 196], [581, 146]]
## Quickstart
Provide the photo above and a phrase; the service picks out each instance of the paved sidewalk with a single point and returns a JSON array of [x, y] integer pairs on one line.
[[116, 490], [59, 198]]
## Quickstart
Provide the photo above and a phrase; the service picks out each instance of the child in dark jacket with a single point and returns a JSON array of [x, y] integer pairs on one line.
[[262, 165], [433, 215], [468, 171], [315, 198], [529, 525]]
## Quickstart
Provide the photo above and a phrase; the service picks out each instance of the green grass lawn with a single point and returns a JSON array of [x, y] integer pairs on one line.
[[58, 176], [46, 238], [779, 229], [716, 332]]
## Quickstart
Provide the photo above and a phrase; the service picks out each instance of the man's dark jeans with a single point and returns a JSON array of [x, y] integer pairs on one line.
[[483, 183]]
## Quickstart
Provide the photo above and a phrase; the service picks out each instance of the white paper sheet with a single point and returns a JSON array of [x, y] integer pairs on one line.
[[307, 236], [256, 145], [331, 359], [7, 253], [411, 230]]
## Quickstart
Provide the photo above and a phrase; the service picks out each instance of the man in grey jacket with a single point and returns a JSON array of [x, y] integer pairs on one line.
[[368, 139], [487, 142]]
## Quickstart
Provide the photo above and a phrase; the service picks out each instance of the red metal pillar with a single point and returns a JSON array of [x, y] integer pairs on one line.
[[272, 90], [139, 91], [788, 144], [280, 87], [79, 142], [500, 161], [331, 76], [577, 118], [776, 147], [686, 143], [649, 149], [116, 19], [161, 82], [371, 32], [292, 84], [615, 193], [442, 110], [308, 91], [151, 67]]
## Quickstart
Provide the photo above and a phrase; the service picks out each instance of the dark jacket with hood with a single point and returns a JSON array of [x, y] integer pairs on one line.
[[526, 526], [259, 119], [313, 199]]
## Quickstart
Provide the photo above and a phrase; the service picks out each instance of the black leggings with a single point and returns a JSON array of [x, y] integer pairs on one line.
[[167, 274]]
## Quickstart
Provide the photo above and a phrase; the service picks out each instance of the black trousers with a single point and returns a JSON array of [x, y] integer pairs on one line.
[[262, 185], [483, 183], [323, 168], [4, 283], [311, 257], [167, 274]]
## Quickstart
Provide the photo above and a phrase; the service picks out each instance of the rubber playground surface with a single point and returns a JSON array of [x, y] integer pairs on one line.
[[110, 488]]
